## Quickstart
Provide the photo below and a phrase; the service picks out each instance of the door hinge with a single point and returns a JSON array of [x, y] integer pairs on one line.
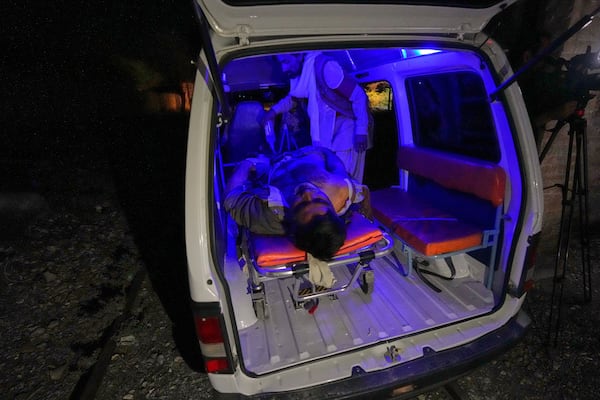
[[243, 34]]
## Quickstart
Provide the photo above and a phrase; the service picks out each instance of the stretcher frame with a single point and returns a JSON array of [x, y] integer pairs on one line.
[[357, 261]]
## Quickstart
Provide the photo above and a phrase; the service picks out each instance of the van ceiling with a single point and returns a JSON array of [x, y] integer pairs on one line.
[[264, 71]]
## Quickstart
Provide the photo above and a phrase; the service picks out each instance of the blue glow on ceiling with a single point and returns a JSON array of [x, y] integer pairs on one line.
[[424, 52], [261, 71]]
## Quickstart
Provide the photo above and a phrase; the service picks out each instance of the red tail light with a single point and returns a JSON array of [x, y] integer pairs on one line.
[[526, 282], [209, 330], [217, 366]]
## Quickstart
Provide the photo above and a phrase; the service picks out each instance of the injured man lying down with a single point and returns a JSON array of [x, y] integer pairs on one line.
[[305, 194]]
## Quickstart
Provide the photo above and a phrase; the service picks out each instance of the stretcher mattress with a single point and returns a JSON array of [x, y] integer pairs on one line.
[[273, 251]]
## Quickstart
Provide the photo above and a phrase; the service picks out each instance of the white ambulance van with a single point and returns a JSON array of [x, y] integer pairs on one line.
[[438, 286]]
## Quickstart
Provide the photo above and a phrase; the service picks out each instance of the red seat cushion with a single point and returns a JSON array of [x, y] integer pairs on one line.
[[420, 225], [271, 251]]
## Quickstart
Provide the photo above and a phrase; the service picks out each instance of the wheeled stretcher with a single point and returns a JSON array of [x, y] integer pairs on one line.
[[275, 257]]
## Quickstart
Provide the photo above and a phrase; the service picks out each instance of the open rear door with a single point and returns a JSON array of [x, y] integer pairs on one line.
[[213, 66]]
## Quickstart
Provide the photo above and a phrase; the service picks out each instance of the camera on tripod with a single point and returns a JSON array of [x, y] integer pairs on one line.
[[580, 80], [559, 89]]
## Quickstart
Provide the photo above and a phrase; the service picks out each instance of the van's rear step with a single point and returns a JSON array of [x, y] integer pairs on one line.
[[398, 306]]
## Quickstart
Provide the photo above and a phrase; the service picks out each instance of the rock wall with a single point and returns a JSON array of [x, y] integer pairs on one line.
[[554, 165]]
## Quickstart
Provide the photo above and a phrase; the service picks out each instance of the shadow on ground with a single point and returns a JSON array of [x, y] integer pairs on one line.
[[148, 164]]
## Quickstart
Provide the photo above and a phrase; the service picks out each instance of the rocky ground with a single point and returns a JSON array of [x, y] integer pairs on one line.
[[93, 293]]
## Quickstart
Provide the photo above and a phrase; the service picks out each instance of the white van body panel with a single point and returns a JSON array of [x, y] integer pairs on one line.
[[196, 201], [370, 359], [328, 19], [528, 160]]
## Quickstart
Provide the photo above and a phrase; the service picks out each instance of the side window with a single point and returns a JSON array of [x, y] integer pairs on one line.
[[380, 96], [450, 112]]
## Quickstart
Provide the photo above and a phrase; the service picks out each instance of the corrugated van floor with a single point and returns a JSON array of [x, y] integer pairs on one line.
[[398, 306]]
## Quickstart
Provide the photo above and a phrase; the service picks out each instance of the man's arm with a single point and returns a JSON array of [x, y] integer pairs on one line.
[[250, 211], [248, 204], [364, 205], [240, 175], [283, 105], [336, 79], [333, 163], [360, 106]]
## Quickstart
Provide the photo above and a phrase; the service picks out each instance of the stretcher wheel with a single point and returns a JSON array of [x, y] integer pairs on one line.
[[367, 281]]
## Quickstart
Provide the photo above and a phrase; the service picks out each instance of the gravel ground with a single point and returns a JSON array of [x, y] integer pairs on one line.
[[93, 284]]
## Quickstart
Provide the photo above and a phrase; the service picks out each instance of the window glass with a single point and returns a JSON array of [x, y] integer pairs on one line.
[[380, 95], [451, 112]]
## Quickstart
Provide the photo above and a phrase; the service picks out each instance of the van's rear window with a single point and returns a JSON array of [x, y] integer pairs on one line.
[[451, 112]]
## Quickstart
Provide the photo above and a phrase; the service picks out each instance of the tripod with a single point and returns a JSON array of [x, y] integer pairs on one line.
[[574, 192]]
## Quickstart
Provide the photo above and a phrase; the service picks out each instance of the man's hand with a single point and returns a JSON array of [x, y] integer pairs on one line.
[[269, 116], [241, 174], [365, 205], [360, 143]]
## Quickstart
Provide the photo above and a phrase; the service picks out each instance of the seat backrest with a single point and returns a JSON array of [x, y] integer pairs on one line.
[[480, 178], [245, 135]]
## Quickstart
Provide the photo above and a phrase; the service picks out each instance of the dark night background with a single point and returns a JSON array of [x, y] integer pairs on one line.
[[77, 65], [72, 69], [81, 91], [80, 86]]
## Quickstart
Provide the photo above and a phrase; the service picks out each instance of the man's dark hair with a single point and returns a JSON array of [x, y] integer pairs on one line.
[[322, 236]]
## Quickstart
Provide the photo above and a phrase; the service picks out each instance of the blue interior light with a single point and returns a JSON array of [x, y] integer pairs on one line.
[[423, 52]]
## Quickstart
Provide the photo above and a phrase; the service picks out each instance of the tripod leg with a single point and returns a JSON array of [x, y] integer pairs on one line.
[[582, 176], [562, 250], [559, 125], [573, 188]]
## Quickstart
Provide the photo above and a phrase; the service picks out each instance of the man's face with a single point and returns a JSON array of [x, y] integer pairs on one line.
[[291, 64], [309, 201]]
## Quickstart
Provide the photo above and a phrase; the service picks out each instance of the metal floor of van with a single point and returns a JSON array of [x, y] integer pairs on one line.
[[398, 306]]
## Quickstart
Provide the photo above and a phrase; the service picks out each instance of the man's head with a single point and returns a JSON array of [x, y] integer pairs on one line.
[[291, 64], [313, 223]]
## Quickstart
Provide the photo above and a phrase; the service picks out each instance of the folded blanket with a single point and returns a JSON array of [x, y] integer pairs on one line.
[[319, 272]]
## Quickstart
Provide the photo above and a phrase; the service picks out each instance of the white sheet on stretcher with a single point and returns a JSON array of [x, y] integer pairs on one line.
[[319, 272]]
